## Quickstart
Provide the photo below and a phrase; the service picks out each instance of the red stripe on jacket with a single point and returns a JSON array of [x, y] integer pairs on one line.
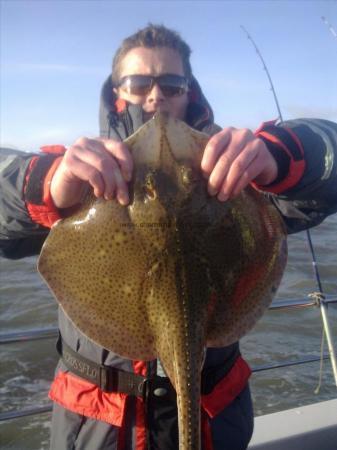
[[296, 168], [140, 368], [227, 389], [84, 398], [206, 431], [45, 214]]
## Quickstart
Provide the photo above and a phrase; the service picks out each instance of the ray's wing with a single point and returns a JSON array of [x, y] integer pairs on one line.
[[246, 260], [95, 266]]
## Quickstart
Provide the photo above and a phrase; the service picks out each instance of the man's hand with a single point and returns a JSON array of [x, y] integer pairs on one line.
[[232, 159], [104, 164]]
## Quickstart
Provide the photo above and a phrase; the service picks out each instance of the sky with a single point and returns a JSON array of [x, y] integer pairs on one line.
[[55, 56]]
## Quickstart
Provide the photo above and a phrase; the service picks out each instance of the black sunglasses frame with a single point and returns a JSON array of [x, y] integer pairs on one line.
[[171, 85]]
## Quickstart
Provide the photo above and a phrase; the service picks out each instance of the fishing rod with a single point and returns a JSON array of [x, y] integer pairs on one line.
[[330, 27], [318, 296]]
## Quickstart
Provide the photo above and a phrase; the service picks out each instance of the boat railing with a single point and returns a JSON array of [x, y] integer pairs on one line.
[[312, 300]]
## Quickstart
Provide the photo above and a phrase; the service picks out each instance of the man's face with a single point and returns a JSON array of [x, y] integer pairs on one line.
[[155, 61]]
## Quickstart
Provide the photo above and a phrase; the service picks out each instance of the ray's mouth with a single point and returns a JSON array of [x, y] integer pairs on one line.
[[150, 192]]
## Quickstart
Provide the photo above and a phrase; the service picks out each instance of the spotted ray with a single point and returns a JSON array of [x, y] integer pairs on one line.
[[174, 271]]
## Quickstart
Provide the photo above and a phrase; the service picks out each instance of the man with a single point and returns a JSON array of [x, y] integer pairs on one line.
[[297, 161]]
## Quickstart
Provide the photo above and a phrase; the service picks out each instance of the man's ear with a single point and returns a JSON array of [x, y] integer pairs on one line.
[[115, 91]]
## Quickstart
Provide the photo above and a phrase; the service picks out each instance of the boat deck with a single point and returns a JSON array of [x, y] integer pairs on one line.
[[312, 427]]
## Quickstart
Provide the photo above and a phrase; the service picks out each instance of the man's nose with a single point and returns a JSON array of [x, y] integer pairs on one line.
[[155, 95]]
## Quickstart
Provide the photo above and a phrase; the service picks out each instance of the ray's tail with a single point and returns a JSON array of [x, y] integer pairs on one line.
[[184, 371]]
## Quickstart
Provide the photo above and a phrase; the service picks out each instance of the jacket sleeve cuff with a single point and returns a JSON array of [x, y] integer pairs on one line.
[[288, 152], [39, 202]]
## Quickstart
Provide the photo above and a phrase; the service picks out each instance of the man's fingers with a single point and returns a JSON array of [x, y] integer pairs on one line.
[[122, 192], [237, 169], [232, 159], [229, 158], [222, 169], [242, 178], [122, 154], [96, 155], [88, 173], [103, 164], [214, 149]]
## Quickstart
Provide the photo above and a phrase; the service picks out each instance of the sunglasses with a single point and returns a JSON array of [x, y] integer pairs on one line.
[[171, 85]]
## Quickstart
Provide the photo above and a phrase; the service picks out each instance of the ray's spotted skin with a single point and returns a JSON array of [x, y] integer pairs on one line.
[[174, 271]]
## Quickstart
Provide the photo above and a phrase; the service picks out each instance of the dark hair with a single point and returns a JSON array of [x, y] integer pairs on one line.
[[151, 37]]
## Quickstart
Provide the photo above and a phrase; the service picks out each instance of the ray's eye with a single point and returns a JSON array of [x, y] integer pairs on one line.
[[188, 176], [150, 186]]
